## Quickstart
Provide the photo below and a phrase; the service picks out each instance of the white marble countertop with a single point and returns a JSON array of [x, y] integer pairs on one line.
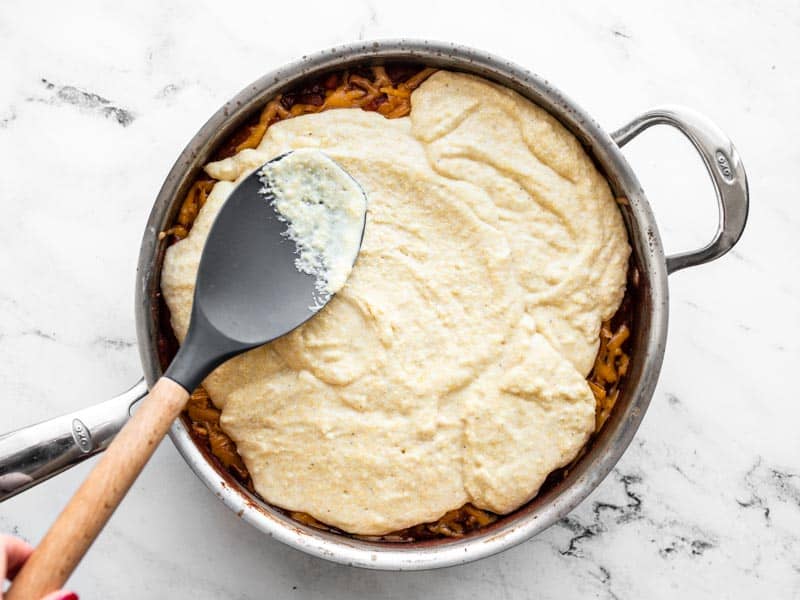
[[97, 101]]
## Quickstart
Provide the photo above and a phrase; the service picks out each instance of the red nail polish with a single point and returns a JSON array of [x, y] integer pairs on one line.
[[69, 596]]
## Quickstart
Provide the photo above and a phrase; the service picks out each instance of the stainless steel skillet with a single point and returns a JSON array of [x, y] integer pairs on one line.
[[30, 455]]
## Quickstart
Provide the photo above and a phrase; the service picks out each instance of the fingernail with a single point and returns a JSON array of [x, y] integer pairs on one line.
[[68, 596]]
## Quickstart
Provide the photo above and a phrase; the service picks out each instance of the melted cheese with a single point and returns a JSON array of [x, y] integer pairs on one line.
[[451, 366]]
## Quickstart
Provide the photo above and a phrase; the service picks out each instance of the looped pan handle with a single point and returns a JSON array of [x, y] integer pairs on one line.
[[723, 165]]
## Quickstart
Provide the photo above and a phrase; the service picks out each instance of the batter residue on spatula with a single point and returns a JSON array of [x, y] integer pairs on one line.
[[323, 208]]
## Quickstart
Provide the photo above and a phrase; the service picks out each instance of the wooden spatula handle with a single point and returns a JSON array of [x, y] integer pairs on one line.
[[87, 512]]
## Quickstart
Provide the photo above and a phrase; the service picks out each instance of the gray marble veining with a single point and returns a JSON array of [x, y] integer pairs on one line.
[[97, 101]]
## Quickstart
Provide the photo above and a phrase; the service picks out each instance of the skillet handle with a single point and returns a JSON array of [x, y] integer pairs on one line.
[[35, 453], [87, 512], [723, 165]]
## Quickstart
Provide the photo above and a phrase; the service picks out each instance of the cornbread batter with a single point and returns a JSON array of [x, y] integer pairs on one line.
[[324, 210], [451, 366]]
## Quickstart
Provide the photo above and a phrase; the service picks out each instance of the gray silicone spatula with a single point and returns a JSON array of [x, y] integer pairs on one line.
[[248, 292]]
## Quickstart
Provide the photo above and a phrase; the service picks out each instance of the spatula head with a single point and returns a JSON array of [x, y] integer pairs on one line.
[[249, 290]]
